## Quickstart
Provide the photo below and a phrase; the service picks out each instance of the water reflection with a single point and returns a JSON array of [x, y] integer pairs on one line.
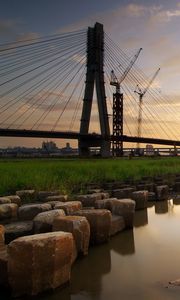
[[141, 218], [161, 207], [92, 268], [123, 243], [176, 200]]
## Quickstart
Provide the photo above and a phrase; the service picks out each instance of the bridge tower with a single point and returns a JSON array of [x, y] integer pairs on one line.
[[95, 80]]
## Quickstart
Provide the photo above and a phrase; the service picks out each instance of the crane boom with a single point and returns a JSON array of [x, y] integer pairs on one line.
[[114, 80], [150, 82], [141, 95], [130, 66]]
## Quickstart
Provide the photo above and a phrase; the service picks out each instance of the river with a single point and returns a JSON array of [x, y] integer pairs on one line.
[[135, 265]]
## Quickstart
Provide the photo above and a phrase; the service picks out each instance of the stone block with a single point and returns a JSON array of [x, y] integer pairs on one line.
[[90, 199], [17, 229], [53, 203], [60, 198], [15, 199], [2, 232], [151, 196], [69, 207], [124, 208], [141, 198], [39, 262], [123, 193], [162, 192], [117, 224], [100, 224], [103, 204], [27, 195], [42, 195], [146, 186], [29, 211], [4, 200], [3, 266], [3, 259], [176, 186], [8, 212], [80, 229], [43, 222]]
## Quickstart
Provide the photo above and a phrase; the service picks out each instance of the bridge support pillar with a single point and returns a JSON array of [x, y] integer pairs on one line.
[[95, 79]]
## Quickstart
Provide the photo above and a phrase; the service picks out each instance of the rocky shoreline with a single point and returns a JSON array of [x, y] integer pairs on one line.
[[40, 241]]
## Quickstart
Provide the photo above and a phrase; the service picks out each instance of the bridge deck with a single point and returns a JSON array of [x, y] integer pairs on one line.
[[75, 136]]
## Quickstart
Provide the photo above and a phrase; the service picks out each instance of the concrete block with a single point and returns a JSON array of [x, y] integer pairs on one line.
[[80, 229], [8, 212], [162, 192], [141, 198], [69, 207], [29, 211], [39, 262], [100, 224], [43, 222], [17, 229], [124, 208], [117, 225]]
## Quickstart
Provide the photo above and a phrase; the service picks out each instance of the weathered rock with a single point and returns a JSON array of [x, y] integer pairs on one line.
[[3, 259], [80, 229], [151, 196], [175, 282], [161, 207], [43, 222], [17, 229], [141, 198], [176, 186], [69, 207], [146, 186], [39, 262], [29, 211], [162, 192], [93, 191], [15, 199], [4, 200], [124, 208], [42, 195], [27, 195], [2, 231], [103, 204], [53, 203], [61, 198], [90, 199], [123, 193], [8, 212], [3, 266], [100, 224], [117, 225]]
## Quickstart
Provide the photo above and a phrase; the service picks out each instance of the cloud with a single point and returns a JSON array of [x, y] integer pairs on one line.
[[7, 27], [27, 37]]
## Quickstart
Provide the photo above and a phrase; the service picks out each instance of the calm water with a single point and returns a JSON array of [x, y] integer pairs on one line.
[[135, 264]]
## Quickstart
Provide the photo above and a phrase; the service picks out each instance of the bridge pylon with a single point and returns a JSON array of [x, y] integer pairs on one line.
[[95, 80]]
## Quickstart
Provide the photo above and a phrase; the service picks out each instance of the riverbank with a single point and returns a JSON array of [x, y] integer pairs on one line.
[[67, 175]]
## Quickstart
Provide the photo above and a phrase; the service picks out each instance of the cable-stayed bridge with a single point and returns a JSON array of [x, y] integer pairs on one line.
[[59, 87]]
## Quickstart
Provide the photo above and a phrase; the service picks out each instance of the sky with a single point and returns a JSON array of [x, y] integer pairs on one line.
[[152, 25]]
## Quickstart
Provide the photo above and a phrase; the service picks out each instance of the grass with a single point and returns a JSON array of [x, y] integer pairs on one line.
[[69, 174]]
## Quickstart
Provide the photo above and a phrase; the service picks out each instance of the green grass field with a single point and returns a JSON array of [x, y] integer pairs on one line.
[[48, 174]]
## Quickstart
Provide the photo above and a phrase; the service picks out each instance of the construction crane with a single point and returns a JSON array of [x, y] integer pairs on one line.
[[117, 144], [141, 94], [114, 81]]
